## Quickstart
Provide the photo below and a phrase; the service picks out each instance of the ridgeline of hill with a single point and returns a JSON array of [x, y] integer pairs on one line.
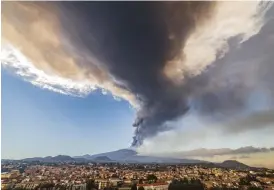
[[131, 156]]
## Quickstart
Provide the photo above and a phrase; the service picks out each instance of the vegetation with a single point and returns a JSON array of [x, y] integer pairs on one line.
[[186, 184], [255, 188], [223, 188], [46, 185], [91, 184], [151, 178], [134, 186]]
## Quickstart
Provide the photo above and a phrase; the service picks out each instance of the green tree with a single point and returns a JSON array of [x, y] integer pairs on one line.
[[151, 178], [185, 180], [223, 188], [91, 184], [141, 181], [244, 181], [184, 184], [134, 186], [46, 185], [255, 188]]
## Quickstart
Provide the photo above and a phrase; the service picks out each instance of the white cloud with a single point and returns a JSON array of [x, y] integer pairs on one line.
[[18, 63]]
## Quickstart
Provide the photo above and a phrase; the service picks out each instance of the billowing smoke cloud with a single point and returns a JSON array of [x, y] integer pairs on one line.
[[159, 56], [34, 46]]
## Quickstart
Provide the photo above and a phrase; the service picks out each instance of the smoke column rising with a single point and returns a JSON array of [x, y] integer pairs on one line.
[[152, 54]]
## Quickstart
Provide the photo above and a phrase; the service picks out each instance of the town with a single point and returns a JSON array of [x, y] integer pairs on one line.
[[124, 176]]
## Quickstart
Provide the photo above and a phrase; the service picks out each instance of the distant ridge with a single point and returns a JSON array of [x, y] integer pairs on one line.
[[102, 159], [117, 155], [59, 158], [234, 164], [131, 156], [122, 155]]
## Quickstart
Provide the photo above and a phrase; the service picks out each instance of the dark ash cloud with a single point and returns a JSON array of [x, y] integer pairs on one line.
[[133, 40], [136, 41], [165, 58]]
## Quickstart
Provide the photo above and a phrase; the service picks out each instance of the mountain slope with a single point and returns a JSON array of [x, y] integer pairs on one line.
[[59, 158], [151, 159], [102, 159], [131, 156], [128, 155], [234, 164], [118, 155]]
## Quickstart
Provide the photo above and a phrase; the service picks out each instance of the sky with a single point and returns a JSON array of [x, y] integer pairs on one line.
[[77, 75], [37, 122]]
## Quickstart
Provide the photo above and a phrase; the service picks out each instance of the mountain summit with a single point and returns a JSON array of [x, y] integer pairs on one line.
[[118, 155]]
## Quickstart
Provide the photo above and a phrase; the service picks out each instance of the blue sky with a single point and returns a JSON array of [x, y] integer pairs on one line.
[[37, 122]]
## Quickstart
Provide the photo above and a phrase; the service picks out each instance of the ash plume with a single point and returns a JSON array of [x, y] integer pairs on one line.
[[152, 54], [138, 48]]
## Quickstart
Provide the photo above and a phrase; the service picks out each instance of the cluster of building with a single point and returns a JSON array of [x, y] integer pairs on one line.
[[123, 176]]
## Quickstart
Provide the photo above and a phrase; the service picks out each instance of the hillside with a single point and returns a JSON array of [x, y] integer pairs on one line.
[[118, 155], [233, 164], [102, 159], [131, 156], [59, 158], [128, 155]]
